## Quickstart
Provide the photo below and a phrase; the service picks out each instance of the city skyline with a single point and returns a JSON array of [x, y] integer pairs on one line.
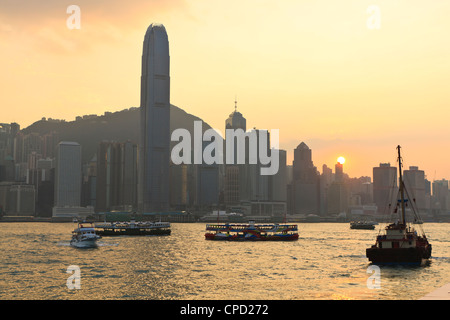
[[377, 88]]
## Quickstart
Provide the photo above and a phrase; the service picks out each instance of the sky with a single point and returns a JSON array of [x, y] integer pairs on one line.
[[317, 70]]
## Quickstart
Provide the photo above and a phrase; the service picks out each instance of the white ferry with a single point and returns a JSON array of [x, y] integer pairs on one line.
[[84, 236]]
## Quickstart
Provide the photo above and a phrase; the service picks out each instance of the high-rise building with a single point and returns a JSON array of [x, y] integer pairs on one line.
[[415, 185], [258, 186], [338, 193], [235, 180], [8, 131], [279, 181], [50, 140], [32, 143], [89, 186], [326, 178], [21, 200], [206, 180], [385, 187], [179, 196], [303, 166], [339, 172], [130, 176], [116, 176], [68, 179], [68, 174], [154, 144], [305, 184], [441, 197], [278, 187], [7, 134]]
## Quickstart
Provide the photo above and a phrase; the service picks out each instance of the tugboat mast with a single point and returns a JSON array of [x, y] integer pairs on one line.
[[402, 190]]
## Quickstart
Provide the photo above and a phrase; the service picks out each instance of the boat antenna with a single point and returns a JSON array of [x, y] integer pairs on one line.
[[402, 191]]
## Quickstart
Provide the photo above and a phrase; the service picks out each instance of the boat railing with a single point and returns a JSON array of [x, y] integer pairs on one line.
[[126, 225], [263, 228]]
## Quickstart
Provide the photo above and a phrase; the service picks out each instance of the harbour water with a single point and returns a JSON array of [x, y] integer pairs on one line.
[[327, 262]]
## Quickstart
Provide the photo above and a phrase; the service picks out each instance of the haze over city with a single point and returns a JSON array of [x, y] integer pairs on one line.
[[312, 69]]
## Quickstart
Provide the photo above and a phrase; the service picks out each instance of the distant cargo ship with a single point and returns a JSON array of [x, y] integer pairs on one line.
[[251, 232]]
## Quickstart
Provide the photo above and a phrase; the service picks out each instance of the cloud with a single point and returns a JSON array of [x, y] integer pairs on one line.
[[44, 23], [39, 10]]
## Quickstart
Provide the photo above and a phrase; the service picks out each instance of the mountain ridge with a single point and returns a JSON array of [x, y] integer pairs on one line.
[[120, 126]]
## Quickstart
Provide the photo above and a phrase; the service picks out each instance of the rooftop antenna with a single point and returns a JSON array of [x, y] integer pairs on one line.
[[235, 103]]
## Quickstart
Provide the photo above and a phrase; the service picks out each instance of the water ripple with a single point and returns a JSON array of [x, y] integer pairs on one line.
[[327, 262]]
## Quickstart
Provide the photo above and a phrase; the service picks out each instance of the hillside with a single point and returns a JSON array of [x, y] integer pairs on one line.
[[117, 126]]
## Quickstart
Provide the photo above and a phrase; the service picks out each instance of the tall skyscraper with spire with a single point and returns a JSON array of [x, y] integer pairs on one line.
[[236, 181], [236, 120], [154, 144]]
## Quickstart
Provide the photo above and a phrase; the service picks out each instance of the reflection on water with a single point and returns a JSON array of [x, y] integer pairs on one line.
[[327, 262]]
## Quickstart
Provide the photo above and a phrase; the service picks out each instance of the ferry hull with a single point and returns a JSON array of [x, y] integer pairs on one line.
[[389, 256], [370, 227], [291, 237], [84, 243]]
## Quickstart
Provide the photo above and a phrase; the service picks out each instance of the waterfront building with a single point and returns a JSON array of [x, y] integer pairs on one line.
[[21, 200], [17, 199]]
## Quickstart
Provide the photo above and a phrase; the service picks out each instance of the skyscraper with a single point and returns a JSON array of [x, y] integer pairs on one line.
[[337, 194], [116, 176], [68, 180], [384, 187], [441, 197], [154, 144], [415, 185], [339, 172], [68, 174], [235, 182], [305, 182]]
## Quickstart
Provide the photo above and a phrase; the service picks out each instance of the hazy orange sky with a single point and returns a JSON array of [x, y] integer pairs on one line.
[[310, 68]]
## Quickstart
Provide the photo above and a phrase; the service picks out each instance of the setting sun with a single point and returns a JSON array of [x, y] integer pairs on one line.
[[341, 160]]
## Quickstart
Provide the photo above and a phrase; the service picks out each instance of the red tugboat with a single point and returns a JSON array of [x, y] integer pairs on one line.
[[401, 243]]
